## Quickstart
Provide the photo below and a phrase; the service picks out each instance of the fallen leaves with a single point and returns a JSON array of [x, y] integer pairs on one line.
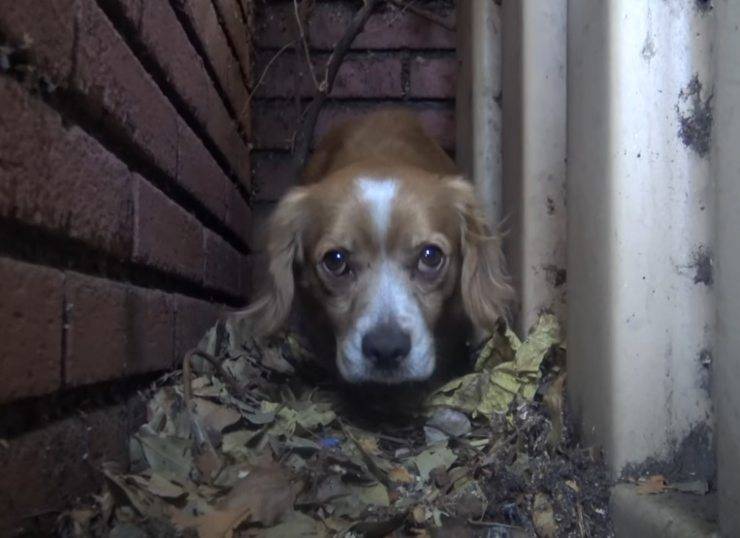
[[242, 445]]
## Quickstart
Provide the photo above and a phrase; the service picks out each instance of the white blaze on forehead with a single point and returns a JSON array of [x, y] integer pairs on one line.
[[378, 194]]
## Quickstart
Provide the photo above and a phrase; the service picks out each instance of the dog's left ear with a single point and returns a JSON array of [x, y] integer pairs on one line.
[[284, 248], [485, 287]]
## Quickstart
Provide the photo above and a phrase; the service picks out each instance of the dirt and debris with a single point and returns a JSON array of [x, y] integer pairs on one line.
[[694, 110], [251, 440]]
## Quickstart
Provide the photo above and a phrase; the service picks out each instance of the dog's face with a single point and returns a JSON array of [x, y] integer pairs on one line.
[[384, 254]]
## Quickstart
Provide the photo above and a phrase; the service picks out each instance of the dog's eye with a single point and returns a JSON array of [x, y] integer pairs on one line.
[[430, 259], [335, 261]]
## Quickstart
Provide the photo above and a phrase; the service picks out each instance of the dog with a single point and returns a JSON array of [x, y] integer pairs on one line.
[[386, 248]]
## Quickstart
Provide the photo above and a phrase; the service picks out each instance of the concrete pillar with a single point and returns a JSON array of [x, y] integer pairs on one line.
[[478, 113], [640, 233], [726, 157], [534, 151]]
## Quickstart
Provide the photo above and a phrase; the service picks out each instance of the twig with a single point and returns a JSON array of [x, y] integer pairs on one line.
[[433, 17], [187, 368], [305, 134], [304, 41], [263, 74]]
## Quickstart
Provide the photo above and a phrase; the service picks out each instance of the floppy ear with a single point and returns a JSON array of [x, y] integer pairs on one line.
[[284, 248], [485, 288]]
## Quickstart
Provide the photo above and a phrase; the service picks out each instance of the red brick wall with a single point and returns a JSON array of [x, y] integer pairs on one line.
[[399, 58], [125, 183]]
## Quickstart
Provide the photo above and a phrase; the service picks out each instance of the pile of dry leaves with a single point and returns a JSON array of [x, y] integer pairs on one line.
[[242, 442]]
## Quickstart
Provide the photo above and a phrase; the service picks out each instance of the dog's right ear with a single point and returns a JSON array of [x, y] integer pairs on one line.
[[284, 249]]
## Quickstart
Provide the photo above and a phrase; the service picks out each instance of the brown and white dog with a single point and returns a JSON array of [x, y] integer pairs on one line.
[[387, 250]]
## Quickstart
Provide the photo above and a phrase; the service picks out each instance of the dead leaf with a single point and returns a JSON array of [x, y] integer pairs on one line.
[[215, 524], [543, 517], [368, 444], [432, 458], [652, 485], [554, 399], [160, 486], [213, 416], [400, 475], [266, 492]]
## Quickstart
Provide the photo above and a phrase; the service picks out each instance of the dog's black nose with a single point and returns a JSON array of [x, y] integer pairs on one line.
[[386, 345]]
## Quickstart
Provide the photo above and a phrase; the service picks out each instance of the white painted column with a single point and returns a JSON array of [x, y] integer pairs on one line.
[[534, 152], [477, 112], [726, 157], [640, 231]]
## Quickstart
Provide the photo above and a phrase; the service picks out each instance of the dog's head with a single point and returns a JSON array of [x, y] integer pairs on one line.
[[386, 255]]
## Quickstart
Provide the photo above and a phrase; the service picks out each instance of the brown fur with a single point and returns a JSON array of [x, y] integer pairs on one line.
[[433, 204]]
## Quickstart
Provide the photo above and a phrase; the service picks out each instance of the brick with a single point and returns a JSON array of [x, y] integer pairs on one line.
[[115, 84], [275, 123], [360, 76], [163, 35], [98, 321], [194, 317], [30, 329], [203, 18], [199, 173], [439, 123], [272, 175], [433, 77], [224, 265], [260, 217], [237, 31], [60, 179], [151, 331], [167, 43], [47, 30], [389, 28], [166, 236], [239, 215], [48, 469]]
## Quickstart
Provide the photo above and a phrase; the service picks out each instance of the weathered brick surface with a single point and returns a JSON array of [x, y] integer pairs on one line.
[[166, 236], [164, 38], [59, 178], [433, 77], [224, 266], [193, 318], [273, 175], [275, 123], [30, 329], [48, 469], [151, 333], [390, 28], [199, 173], [236, 30], [115, 330], [97, 348], [203, 18], [111, 77], [239, 216], [46, 29], [359, 76], [120, 77]]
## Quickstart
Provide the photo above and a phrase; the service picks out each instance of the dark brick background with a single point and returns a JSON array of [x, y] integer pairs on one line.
[[125, 220]]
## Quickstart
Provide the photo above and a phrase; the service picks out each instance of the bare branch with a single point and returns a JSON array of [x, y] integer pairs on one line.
[[305, 134], [304, 41], [264, 73], [433, 17]]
